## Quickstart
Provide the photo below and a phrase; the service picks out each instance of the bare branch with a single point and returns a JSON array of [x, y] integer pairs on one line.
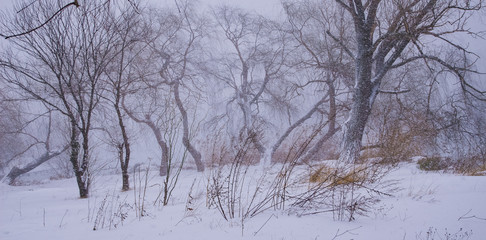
[[394, 92], [470, 217], [74, 3], [341, 44]]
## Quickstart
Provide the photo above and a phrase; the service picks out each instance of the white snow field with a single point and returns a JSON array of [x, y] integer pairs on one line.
[[428, 205]]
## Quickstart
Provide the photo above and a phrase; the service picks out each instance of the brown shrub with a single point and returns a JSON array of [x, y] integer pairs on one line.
[[471, 166], [335, 176]]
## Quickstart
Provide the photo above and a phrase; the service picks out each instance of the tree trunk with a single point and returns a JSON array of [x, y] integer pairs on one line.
[[295, 125], [164, 160], [388, 48], [125, 180], [123, 167], [15, 172], [185, 137], [363, 96], [78, 173], [124, 148], [353, 131]]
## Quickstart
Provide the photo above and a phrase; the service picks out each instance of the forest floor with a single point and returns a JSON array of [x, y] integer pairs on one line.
[[427, 205]]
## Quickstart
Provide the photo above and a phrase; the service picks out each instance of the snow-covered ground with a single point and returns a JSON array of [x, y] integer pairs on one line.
[[427, 206]]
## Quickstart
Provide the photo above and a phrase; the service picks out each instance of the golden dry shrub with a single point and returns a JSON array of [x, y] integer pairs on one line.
[[481, 171], [471, 166], [341, 176]]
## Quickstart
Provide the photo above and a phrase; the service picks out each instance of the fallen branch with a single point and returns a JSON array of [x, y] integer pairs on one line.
[[469, 217], [347, 231]]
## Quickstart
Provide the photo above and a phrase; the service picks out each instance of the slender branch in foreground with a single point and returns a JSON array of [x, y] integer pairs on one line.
[[74, 3]]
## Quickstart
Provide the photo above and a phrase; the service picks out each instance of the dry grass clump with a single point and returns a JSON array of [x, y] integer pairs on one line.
[[336, 176], [433, 163], [346, 190], [219, 150], [471, 166], [481, 171], [396, 146]]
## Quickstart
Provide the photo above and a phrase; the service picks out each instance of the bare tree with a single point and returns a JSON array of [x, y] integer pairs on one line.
[[324, 33], [175, 47], [25, 128], [322, 66], [129, 32], [384, 32], [11, 140], [48, 152], [61, 66], [153, 124], [147, 100], [193, 26], [255, 61]]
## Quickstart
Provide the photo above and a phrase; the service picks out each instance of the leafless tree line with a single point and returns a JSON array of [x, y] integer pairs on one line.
[[363, 69]]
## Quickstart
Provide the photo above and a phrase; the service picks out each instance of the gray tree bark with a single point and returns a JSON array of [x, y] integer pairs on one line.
[[374, 58], [196, 155], [16, 172], [164, 159]]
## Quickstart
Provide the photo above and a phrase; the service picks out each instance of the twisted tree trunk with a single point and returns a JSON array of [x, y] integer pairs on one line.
[[15, 172], [196, 155]]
